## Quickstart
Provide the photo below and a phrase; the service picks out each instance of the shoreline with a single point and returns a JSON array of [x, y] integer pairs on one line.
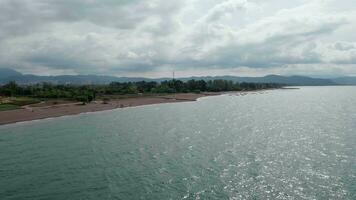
[[32, 113], [35, 112]]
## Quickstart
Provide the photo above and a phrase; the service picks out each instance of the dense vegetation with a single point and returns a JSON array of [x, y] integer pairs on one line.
[[87, 93]]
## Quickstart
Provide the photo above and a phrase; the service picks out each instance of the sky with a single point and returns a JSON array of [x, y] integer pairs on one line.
[[153, 38]]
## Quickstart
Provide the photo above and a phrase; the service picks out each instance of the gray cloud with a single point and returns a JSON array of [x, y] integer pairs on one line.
[[138, 37]]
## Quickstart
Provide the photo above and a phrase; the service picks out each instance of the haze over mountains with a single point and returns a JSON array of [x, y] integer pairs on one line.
[[7, 75]]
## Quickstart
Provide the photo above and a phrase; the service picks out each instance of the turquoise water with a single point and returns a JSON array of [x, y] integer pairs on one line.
[[282, 144]]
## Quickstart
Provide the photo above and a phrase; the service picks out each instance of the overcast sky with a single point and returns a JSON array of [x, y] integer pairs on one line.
[[192, 37]]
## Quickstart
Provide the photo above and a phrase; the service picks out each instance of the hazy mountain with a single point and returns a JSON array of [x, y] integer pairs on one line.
[[7, 75], [345, 80], [288, 80]]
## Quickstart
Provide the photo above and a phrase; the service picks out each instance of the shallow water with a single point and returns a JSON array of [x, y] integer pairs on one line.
[[281, 144]]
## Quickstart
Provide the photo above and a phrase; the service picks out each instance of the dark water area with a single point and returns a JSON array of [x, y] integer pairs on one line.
[[280, 144]]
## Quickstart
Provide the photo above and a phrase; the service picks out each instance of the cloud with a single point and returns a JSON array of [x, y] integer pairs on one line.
[[141, 37], [226, 8]]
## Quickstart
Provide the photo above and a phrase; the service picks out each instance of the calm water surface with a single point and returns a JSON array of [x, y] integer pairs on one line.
[[282, 144]]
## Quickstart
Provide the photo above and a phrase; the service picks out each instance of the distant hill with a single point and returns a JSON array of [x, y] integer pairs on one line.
[[68, 79], [345, 80], [7, 75], [288, 80]]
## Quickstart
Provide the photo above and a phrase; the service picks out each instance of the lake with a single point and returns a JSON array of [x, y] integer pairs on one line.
[[278, 144]]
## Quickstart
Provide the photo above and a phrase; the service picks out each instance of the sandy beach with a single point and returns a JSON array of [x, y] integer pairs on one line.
[[34, 112]]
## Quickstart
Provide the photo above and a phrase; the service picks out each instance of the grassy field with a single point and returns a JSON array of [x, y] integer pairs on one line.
[[12, 103], [126, 96], [4, 107], [22, 101]]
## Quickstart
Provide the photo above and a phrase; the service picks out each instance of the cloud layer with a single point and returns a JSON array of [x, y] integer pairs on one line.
[[192, 37]]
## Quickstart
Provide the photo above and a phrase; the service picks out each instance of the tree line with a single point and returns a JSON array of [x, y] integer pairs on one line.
[[87, 93]]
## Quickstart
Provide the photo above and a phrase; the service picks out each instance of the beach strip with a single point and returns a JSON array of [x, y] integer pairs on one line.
[[29, 113]]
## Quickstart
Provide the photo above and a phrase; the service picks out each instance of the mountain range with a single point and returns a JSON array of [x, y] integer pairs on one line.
[[7, 75]]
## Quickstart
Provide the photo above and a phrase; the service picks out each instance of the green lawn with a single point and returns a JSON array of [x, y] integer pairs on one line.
[[22, 101], [4, 107]]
